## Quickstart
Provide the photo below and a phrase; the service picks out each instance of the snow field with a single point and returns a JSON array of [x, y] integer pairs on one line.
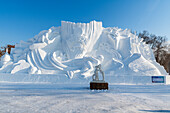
[[71, 98]]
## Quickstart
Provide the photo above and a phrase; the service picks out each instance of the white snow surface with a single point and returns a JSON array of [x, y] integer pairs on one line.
[[74, 49], [77, 98], [5, 58]]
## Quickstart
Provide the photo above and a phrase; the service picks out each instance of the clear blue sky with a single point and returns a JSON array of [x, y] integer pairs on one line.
[[23, 19]]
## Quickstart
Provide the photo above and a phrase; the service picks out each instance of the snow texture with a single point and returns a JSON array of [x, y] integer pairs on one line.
[[78, 98], [74, 49]]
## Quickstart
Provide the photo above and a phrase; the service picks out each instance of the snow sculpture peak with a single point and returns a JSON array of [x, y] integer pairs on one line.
[[6, 56], [79, 38]]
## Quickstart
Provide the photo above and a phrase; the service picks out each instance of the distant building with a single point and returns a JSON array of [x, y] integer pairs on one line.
[[9, 48]]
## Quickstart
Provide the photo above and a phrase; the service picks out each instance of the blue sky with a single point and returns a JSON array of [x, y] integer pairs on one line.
[[23, 19]]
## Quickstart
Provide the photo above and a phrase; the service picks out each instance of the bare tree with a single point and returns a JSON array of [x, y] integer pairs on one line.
[[158, 45]]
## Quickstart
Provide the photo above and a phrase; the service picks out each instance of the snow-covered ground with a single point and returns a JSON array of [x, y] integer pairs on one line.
[[73, 98]]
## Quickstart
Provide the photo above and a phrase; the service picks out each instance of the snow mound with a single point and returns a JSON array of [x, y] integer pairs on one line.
[[6, 58], [74, 49]]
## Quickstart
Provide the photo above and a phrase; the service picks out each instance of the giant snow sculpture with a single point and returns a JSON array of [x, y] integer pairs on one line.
[[74, 49]]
